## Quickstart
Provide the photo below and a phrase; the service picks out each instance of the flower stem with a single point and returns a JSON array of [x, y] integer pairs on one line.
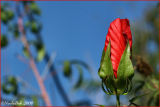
[[118, 101], [117, 98]]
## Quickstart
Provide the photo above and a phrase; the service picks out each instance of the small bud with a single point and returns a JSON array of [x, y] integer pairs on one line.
[[116, 70]]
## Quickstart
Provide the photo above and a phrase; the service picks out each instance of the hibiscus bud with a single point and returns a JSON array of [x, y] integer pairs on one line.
[[116, 68]]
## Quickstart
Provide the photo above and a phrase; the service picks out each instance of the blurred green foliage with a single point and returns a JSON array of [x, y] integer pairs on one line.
[[67, 69], [6, 13], [10, 86], [35, 9], [4, 41], [146, 60]]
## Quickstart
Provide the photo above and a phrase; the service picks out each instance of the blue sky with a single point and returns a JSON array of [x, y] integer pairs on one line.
[[74, 30]]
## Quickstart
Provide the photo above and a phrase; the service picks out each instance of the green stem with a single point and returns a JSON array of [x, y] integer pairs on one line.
[[118, 101], [117, 98]]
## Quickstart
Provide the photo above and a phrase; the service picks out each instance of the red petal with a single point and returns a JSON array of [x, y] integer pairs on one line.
[[118, 33]]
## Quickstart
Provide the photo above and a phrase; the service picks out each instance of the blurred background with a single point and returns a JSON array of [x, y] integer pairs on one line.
[[66, 39]]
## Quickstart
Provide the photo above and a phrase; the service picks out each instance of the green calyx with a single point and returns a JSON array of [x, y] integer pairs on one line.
[[121, 84]]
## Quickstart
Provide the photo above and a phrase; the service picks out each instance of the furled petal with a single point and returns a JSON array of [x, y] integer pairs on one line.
[[118, 34]]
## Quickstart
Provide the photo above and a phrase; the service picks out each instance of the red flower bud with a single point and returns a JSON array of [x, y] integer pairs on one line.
[[119, 34]]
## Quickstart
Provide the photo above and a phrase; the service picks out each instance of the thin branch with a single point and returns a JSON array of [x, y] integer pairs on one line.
[[48, 65], [53, 71], [31, 60]]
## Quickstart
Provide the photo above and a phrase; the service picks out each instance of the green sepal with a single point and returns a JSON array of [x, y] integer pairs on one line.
[[106, 70], [122, 84], [109, 92], [125, 71]]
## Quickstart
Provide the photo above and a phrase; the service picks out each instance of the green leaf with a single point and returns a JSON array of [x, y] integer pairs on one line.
[[35, 27], [9, 14], [40, 49], [67, 69], [41, 53], [12, 80], [4, 41], [10, 86], [6, 90], [4, 17], [35, 9], [16, 33]]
